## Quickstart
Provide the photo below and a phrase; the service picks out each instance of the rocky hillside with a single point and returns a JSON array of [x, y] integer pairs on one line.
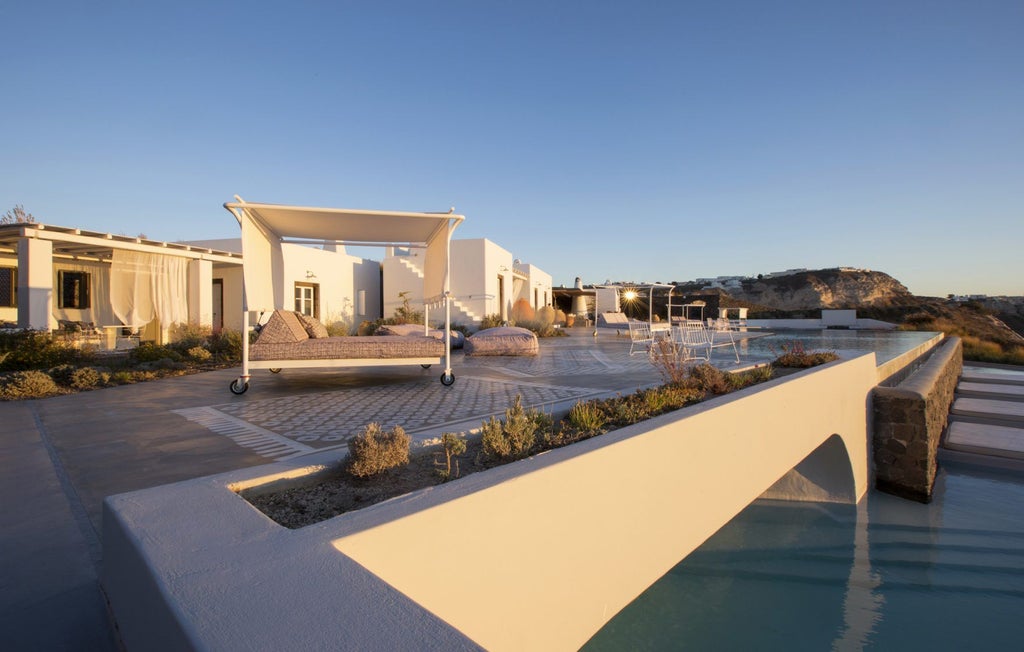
[[825, 288]]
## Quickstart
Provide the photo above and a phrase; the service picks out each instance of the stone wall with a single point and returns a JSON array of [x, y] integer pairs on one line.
[[909, 420]]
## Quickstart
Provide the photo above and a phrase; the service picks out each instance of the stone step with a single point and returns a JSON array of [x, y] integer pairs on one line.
[[990, 390], [992, 375], [988, 410], [986, 439]]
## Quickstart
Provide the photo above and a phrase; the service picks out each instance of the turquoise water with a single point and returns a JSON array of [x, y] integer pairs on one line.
[[888, 574], [885, 344]]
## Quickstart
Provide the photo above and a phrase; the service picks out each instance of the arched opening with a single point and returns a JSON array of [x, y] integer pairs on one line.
[[824, 476]]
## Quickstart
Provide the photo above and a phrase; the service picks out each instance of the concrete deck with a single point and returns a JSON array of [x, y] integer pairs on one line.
[[62, 456]]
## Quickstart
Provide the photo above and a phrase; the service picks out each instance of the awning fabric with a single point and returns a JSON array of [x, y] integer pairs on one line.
[[265, 227]]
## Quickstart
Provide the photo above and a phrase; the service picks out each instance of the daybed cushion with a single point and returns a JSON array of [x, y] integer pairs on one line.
[[349, 348], [313, 327], [458, 339], [283, 327], [503, 340]]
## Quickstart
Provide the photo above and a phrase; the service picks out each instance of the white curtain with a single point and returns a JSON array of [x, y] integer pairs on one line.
[[146, 286]]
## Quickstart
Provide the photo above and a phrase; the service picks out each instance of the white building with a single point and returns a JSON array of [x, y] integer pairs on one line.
[[50, 274], [485, 280]]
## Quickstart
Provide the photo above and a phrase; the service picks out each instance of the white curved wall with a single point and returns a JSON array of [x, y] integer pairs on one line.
[[543, 556]]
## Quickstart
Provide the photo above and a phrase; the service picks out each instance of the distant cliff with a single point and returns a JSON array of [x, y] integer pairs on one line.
[[824, 288]]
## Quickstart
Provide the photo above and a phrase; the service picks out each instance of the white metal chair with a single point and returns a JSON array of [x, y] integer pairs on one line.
[[640, 336], [692, 340]]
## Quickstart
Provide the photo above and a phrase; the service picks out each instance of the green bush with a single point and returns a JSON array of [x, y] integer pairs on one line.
[[513, 437], [707, 378], [122, 377], [185, 337], [587, 418], [27, 384], [226, 346], [452, 446], [86, 378], [62, 374], [198, 354], [374, 451], [750, 377], [491, 321], [151, 352], [34, 350], [794, 355]]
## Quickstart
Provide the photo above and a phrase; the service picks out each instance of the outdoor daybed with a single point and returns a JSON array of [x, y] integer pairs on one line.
[[288, 342], [285, 339]]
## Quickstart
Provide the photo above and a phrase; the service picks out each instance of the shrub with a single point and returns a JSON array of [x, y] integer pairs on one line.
[[374, 451], [188, 336], [546, 315], [665, 358], [338, 328], [750, 377], [150, 352], [62, 374], [512, 438], [226, 346], [708, 378], [35, 350], [794, 355], [28, 384], [86, 378], [198, 354], [560, 317], [522, 311], [452, 446], [587, 417], [540, 329], [491, 321], [122, 377]]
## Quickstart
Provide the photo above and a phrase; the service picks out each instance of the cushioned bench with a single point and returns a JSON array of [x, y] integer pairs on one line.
[[503, 340]]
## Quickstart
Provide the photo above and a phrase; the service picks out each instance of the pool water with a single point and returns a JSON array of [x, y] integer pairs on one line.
[[888, 574], [886, 344]]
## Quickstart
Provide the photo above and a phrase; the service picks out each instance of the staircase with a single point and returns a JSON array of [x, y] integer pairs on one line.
[[461, 313], [987, 416]]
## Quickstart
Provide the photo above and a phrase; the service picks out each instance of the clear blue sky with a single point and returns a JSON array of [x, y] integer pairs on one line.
[[650, 141]]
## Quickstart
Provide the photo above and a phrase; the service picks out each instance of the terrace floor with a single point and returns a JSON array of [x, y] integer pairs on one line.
[[62, 456]]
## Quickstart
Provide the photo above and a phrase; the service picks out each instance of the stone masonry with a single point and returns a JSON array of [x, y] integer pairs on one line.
[[909, 420]]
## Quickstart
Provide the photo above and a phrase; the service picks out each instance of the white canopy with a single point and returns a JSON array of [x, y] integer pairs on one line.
[[265, 227]]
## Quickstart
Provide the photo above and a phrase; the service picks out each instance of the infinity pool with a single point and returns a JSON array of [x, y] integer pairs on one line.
[[888, 574], [885, 344]]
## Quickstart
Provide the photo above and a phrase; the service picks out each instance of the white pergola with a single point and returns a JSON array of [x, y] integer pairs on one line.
[[38, 246]]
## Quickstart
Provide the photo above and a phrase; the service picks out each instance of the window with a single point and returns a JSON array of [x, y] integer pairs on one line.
[[8, 287], [307, 299], [72, 289]]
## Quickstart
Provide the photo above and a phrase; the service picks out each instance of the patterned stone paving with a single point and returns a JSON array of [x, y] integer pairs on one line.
[[567, 361], [325, 419]]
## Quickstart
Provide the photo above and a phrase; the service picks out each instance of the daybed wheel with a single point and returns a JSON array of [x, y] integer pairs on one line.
[[448, 379], [275, 370], [237, 387], [425, 366]]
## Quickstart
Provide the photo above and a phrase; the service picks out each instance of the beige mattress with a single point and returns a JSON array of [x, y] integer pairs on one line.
[[349, 348]]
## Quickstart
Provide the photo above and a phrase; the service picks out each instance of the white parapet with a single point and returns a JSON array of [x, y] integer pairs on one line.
[[534, 555]]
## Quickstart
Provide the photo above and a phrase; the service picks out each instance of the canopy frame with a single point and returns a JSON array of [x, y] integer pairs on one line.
[[266, 227]]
